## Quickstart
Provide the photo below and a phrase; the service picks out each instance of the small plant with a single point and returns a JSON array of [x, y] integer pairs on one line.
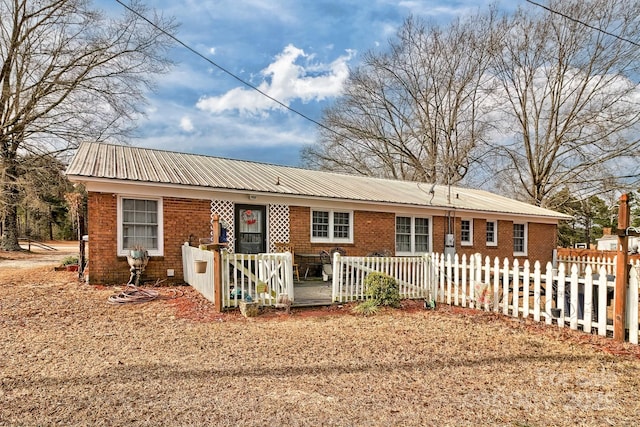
[[366, 308], [383, 289], [70, 260]]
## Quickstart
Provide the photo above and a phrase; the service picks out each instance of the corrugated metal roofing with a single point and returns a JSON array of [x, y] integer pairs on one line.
[[125, 163]]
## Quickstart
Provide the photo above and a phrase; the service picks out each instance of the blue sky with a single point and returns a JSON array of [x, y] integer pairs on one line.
[[298, 52]]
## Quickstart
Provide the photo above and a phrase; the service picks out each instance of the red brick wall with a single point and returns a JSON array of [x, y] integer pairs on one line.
[[182, 219], [102, 228], [188, 220], [439, 229], [373, 231], [542, 240]]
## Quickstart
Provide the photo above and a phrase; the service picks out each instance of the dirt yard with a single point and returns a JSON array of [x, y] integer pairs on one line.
[[70, 358]]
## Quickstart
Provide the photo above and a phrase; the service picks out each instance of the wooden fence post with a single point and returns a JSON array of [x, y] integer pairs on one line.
[[622, 272], [217, 265]]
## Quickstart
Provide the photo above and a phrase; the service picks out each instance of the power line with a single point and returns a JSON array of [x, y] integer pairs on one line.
[[244, 82], [583, 23]]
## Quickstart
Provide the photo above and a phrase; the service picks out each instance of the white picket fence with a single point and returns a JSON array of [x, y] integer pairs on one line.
[[577, 295], [568, 296], [563, 296], [202, 282], [264, 277], [413, 275]]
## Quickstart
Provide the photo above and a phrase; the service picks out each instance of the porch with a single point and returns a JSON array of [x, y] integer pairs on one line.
[[262, 277], [311, 293]]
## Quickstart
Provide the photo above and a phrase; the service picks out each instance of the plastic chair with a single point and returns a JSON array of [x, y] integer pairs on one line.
[[326, 259], [327, 267]]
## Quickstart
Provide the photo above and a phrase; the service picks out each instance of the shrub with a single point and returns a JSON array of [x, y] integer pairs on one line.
[[70, 260], [382, 289]]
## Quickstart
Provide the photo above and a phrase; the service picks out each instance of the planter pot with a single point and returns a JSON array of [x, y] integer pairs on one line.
[[555, 313], [249, 308], [72, 267], [136, 254], [201, 266]]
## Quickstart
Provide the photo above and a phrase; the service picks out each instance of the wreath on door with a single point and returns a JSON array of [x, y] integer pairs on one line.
[[249, 217]]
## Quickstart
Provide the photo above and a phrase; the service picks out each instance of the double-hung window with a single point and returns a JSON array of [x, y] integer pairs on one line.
[[466, 232], [140, 225], [331, 226], [520, 239], [492, 233], [412, 235]]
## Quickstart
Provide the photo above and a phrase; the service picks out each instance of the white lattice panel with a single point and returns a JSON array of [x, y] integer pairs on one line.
[[225, 210], [278, 225]]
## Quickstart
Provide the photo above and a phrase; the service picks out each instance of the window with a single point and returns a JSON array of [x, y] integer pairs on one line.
[[412, 235], [492, 233], [140, 224], [320, 224], [403, 234], [341, 223], [330, 226], [519, 239], [466, 232]]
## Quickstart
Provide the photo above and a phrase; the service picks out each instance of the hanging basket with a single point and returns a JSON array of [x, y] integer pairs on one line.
[[201, 266]]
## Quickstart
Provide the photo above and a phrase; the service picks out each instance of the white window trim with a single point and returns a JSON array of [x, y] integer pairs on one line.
[[331, 238], [154, 252], [470, 241], [413, 234], [495, 234], [526, 239]]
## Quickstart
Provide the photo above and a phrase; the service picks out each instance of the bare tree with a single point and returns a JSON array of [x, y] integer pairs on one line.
[[568, 102], [69, 73], [414, 112]]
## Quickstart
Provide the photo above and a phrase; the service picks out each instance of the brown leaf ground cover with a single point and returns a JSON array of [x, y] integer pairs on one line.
[[67, 357]]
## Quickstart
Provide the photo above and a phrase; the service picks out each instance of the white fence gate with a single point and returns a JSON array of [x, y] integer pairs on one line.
[[264, 277]]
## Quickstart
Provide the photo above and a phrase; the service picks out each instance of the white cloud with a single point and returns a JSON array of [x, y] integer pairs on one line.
[[212, 50], [285, 79], [186, 124]]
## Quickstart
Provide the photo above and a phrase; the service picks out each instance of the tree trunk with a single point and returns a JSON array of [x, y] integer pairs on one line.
[[10, 231], [10, 195], [50, 221]]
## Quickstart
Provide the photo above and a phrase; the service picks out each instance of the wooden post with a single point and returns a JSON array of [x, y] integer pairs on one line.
[[622, 271], [217, 265]]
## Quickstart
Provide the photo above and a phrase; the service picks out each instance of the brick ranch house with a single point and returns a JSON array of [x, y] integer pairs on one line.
[[160, 199]]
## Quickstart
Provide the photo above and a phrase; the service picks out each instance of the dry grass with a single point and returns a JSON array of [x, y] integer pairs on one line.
[[69, 358]]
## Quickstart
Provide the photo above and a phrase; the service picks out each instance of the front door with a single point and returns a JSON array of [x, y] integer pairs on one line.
[[251, 229]]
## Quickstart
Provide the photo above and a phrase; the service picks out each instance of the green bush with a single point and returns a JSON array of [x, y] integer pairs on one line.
[[70, 260], [382, 289]]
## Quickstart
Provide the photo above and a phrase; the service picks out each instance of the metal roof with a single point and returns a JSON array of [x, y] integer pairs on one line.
[[94, 161]]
